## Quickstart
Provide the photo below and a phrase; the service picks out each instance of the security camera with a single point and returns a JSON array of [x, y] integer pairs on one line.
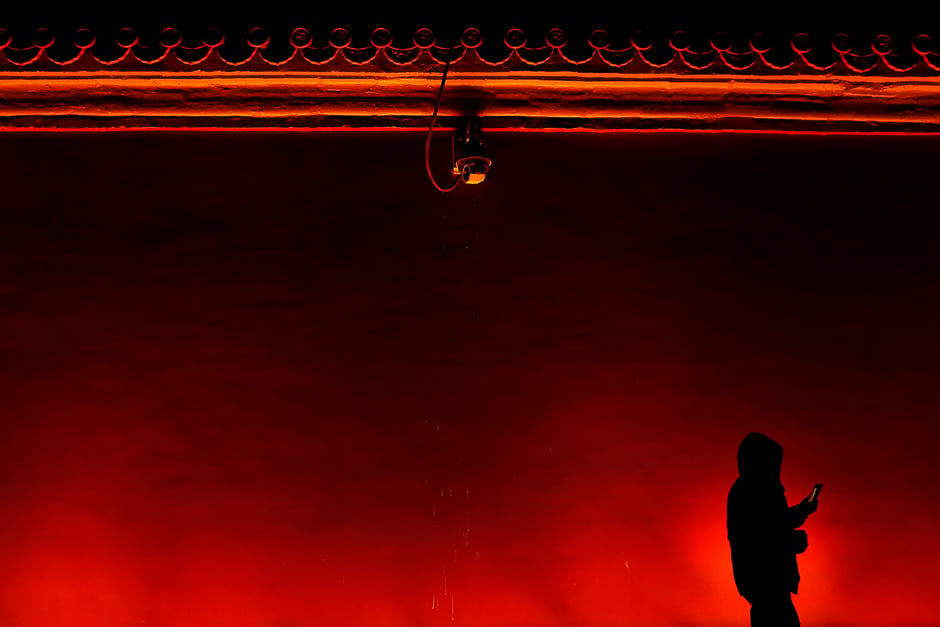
[[472, 169], [470, 160]]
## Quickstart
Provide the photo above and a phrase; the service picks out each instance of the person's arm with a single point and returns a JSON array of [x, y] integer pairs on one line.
[[797, 514]]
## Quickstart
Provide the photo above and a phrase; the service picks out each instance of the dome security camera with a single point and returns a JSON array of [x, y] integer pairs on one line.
[[470, 160], [472, 169]]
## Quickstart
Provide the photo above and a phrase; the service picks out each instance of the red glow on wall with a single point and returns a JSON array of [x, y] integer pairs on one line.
[[261, 380]]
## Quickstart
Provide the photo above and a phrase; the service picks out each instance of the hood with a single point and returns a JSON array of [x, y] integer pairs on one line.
[[760, 458]]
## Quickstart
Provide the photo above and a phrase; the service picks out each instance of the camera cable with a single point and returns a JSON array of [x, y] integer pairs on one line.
[[427, 143]]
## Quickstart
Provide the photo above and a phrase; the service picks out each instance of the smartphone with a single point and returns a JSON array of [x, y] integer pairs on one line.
[[815, 494]]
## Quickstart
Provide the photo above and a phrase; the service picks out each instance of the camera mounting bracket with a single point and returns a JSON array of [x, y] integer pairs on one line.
[[469, 151]]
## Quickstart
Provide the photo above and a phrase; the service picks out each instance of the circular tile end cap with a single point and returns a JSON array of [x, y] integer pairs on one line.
[[721, 42], [923, 44], [170, 38], [842, 43], [641, 40], [802, 43], [514, 38], [300, 38], [340, 38], [424, 38], [556, 38], [881, 44], [679, 41], [471, 38], [43, 38], [599, 40], [381, 38], [213, 38], [258, 38], [760, 43], [127, 38], [83, 38]]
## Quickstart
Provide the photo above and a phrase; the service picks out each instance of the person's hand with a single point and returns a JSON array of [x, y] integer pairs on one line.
[[800, 541], [809, 506]]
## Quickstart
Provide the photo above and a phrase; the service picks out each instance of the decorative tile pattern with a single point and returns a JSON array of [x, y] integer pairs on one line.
[[677, 54]]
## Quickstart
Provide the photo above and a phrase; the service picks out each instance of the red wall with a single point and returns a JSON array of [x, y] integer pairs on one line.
[[278, 380]]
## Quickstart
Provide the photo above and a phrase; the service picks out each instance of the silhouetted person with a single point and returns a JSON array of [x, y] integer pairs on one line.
[[764, 534]]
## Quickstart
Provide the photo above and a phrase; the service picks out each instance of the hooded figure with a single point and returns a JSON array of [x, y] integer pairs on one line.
[[762, 531]]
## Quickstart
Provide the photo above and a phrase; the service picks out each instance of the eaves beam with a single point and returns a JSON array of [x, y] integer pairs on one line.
[[510, 100]]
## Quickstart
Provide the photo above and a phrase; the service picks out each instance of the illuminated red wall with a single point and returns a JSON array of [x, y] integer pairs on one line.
[[278, 380]]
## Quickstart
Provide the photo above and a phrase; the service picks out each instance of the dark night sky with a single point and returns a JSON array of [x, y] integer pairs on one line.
[[277, 379], [783, 18]]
